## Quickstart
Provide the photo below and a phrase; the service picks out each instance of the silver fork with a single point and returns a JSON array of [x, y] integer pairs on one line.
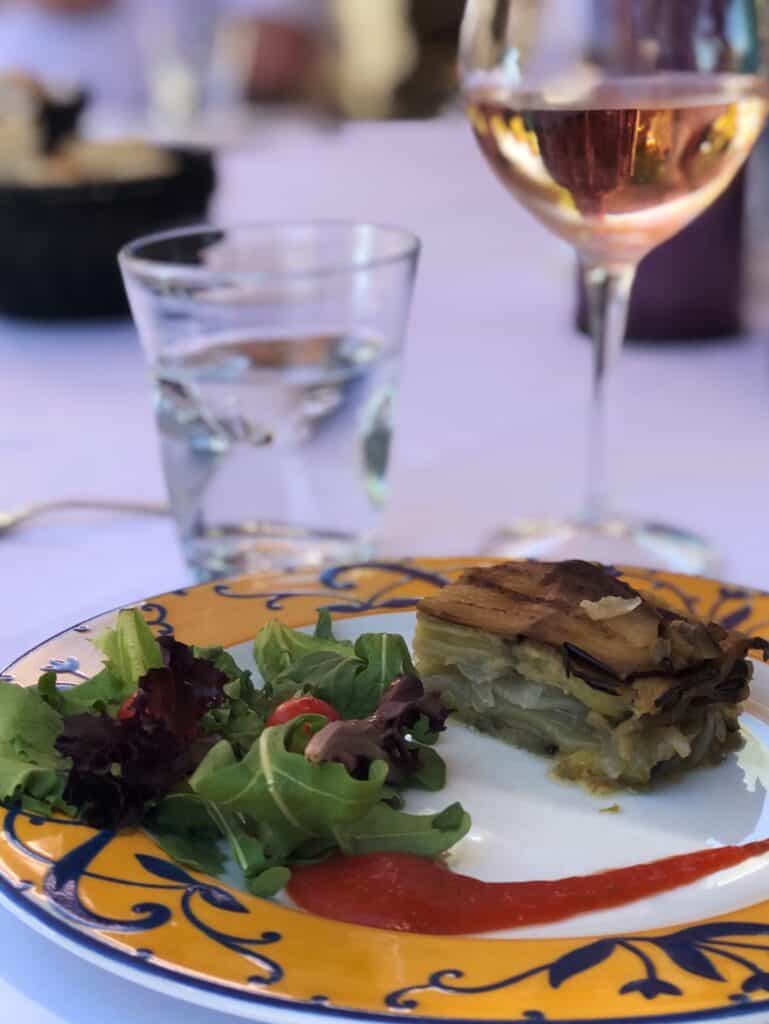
[[10, 520]]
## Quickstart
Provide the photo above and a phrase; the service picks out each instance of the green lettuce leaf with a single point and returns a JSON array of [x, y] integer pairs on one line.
[[130, 649], [385, 829], [31, 769], [103, 692]]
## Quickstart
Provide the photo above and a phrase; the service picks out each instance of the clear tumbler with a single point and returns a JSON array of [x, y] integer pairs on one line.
[[274, 351]]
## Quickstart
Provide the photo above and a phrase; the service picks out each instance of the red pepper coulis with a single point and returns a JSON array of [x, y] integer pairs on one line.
[[402, 892]]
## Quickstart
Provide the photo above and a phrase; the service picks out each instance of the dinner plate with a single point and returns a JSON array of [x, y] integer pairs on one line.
[[698, 953]]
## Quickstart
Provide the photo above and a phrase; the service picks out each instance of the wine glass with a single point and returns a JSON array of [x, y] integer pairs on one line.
[[616, 123]]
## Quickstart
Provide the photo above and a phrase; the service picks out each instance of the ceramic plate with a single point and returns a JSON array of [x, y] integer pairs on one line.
[[698, 953]]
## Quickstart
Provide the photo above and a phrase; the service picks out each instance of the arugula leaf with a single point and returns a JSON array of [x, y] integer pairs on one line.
[[260, 851], [31, 770], [332, 676], [431, 771], [269, 882], [182, 826], [236, 722], [282, 789], [242, 717], [276, 808], [383, 828], [192, 831], [223, 661], [324, 629], [393, 797], [381, 657], [313, 851], [423, 732], [386, 656], [277, 649], [130, 648], [350, 677]]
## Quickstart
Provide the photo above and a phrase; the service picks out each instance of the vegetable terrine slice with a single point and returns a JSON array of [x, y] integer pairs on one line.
[[569, 661]]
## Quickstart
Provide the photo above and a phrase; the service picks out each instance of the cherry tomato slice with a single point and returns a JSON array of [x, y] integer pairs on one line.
[[297, 706], [128, 707]]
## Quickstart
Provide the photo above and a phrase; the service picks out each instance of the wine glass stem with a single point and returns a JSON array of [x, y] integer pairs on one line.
[[608, 296]]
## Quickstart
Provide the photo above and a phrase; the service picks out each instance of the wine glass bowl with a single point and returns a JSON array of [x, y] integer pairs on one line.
[[615, 123]]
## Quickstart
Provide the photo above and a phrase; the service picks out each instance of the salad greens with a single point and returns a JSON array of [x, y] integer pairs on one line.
[[180, 740], [351, 677], [386, 829], [30, 765], [130, 650]]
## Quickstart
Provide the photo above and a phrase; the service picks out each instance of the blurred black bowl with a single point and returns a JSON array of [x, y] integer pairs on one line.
[[59, 245]]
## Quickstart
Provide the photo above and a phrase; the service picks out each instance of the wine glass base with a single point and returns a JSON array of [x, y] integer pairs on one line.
[[613, 542]]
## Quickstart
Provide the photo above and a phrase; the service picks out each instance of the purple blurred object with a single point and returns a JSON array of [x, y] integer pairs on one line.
[[690, 288]]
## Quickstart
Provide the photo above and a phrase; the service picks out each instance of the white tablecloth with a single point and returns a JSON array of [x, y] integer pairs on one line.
[[491, 426]]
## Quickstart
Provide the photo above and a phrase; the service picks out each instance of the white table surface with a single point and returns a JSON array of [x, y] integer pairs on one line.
[[491, 426]]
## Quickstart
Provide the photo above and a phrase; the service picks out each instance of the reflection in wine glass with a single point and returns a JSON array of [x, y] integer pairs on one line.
[[621, 123]]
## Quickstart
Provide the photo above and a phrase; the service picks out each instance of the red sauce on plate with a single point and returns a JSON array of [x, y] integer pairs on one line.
[[411, 894]]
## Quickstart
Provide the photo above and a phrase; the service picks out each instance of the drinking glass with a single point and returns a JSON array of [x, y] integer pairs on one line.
[[274, 351], [615, 124], [177, 40]]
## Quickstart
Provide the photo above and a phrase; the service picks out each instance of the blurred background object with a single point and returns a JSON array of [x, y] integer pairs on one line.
[[354, 58], [394, 58], [152, 71], [158, 68], [174, 55], [67, 204]]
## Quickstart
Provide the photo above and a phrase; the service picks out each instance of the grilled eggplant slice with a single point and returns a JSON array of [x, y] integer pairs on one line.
[[569, 661]]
